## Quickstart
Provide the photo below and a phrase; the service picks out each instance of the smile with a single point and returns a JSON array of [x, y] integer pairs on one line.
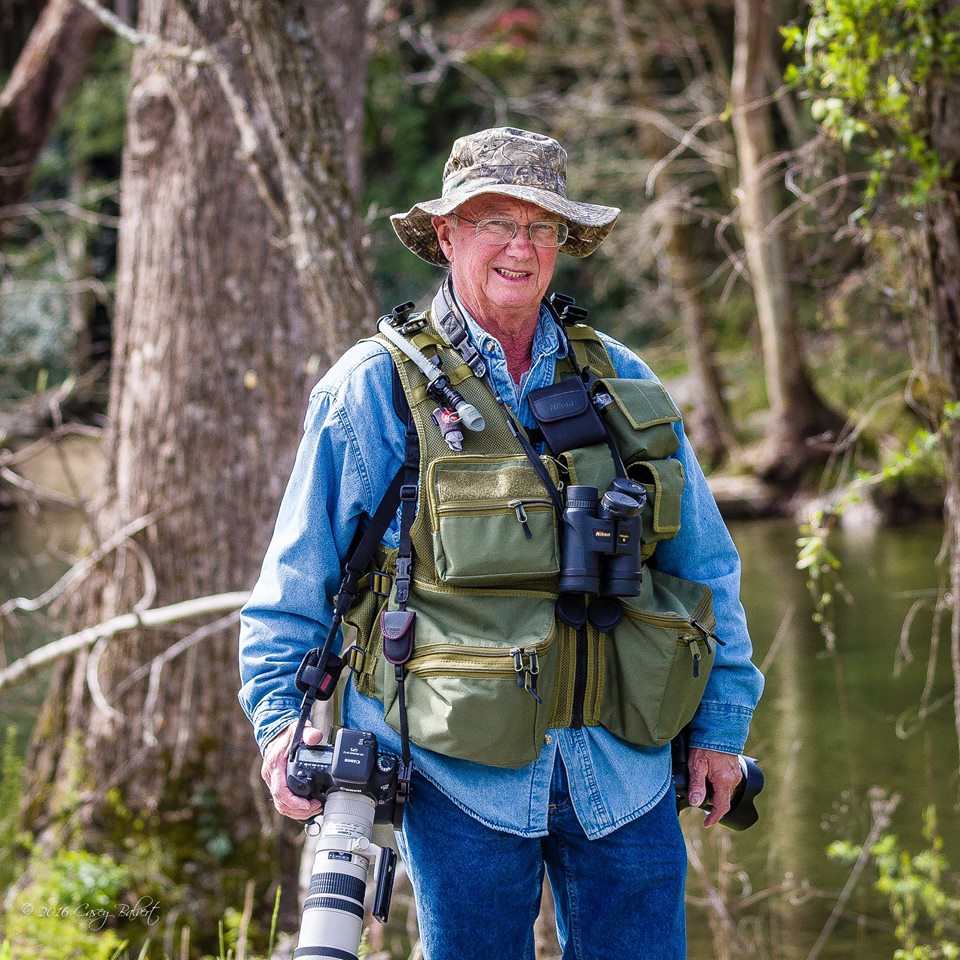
[[511, 274]]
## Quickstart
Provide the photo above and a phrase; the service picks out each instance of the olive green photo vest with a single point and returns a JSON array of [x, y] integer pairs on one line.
[[493, 668]]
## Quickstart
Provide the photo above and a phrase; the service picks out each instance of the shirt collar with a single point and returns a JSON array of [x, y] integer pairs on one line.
[[546, 340]]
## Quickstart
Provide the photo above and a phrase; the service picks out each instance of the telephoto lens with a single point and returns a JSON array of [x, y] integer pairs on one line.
[[333, 911], [359, 786]]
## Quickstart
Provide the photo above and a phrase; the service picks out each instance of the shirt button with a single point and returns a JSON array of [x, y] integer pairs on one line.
[[489, 346], [547, 739]]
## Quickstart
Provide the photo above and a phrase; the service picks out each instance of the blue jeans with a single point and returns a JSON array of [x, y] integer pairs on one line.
[[478, 889]]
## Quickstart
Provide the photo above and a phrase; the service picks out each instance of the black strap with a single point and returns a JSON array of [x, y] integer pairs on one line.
[[456, 333], [320, 669], [408, 503], [587, 377]]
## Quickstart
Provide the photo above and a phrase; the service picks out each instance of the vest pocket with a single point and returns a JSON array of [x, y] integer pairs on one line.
[[492, 522], [640, 416], [663, 481], [657, 660], [486, 695]]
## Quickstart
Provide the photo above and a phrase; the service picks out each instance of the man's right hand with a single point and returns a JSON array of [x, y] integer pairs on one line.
[[274, 773]]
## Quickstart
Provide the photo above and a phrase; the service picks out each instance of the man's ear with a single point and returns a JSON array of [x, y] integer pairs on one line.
[[444, 229]]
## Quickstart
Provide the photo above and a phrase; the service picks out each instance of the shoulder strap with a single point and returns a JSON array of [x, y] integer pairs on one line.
[[589, 350]]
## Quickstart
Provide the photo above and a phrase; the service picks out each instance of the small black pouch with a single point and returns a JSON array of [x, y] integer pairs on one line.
[[565, 416], [397, 628]]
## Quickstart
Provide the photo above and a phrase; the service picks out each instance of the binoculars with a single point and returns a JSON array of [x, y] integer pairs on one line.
[[602, 539]]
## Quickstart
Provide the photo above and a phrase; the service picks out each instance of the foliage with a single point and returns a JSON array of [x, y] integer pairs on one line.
[[866, 64], [11, 839], [81, 161], [920, 889], [918, 457], [65, 911]]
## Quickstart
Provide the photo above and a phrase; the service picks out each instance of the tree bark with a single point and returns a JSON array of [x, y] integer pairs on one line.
[[709, 424], [46, 73], [944, 241], [216, 344], [797, 414]]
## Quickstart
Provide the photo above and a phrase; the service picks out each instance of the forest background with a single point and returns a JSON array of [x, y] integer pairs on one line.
[[193, 218]]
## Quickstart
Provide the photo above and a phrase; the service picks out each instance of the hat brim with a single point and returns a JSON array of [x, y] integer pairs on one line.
[[589, 223]]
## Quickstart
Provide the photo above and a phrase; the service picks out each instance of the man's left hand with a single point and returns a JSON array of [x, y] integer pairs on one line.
[[723, 772]]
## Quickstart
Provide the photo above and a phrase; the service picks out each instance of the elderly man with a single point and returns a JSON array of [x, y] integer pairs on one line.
[[544, 678]]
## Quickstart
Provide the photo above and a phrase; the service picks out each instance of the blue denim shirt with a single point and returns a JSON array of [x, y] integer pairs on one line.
[[352, 446]]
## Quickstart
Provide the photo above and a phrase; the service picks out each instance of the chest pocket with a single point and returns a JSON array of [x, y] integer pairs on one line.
[[640, 416], [492, 521]]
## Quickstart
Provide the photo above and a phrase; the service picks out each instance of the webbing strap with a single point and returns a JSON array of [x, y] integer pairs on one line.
[[456, 333], [408, 503]]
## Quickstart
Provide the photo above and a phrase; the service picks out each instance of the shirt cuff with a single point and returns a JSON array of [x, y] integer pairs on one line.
[[720, 726], [271, 717]]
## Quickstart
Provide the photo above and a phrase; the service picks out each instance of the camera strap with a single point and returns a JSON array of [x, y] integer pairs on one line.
[[320, 670]]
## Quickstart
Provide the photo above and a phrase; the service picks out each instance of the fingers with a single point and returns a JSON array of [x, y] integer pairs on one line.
[[697, 787], [723, 772], [274, 773]]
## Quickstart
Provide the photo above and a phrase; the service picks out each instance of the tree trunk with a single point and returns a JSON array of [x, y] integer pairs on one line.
[[46, 73], [216, 343], [796, 412], [709, 423], [944, 240]]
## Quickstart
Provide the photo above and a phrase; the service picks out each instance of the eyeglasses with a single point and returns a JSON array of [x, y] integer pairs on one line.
[[542, 233]]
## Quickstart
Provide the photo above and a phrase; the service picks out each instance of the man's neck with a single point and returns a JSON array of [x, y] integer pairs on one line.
[[515, 336]]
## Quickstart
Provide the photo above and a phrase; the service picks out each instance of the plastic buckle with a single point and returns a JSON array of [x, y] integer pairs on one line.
[[355, 657], [413, 326], [408, 491], [380, 583]]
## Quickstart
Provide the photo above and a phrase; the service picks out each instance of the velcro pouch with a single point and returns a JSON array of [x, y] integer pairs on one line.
[[566, 416], [397, 627]]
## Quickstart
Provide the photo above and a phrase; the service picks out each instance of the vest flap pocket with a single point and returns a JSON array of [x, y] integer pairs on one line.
[[640, 415], [481, 680], [657, 660], [493, 523], [664, 482]]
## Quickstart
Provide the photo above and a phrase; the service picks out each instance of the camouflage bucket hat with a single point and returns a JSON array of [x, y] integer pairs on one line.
[[514, 163]]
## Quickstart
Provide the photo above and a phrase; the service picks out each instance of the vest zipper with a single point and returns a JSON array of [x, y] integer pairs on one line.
[[519, 507], [446, 659]]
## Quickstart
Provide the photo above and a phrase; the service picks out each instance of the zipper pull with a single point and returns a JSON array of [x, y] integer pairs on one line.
[[706, 633], [517, 655], [522, 517], [695, 652], [533, 671]]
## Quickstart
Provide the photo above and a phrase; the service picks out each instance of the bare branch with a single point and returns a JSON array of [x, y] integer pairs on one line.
[[27, 666], [79, 570], [881, 820], [139, 39], [155, 668]]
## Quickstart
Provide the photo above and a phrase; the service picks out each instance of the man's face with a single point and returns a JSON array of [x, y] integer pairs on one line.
[[502, 282]]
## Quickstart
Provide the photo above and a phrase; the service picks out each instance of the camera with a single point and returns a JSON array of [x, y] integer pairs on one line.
[[742, 813], [602, 539], [359, 786], [353, 764]]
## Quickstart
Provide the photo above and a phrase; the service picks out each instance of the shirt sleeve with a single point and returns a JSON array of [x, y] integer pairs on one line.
[[704, 551], [289, 611]]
